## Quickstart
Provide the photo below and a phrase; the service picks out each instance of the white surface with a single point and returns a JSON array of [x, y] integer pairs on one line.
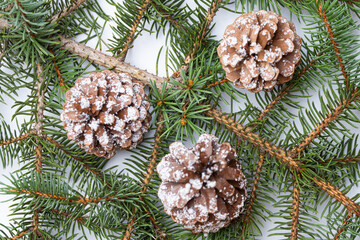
[[143, 55]]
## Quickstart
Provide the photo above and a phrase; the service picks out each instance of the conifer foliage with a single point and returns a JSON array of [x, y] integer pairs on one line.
[[306, 171]]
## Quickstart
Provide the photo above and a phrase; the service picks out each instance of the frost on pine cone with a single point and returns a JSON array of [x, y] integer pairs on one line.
[[259, 50], [104, 111], [202, 187]]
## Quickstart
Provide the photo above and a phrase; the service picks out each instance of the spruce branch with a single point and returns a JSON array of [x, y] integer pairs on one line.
[[295, 211], [281, 155], [285, 91], [4, 143], [342, 227], [350, 205], [253, 138], [22, 234], [110, 62], [75, 199], [80, 219], [201, 35], [76, 4], [131, 35], [250, 206], [168, 16], [335, 44], [333, 115], [78, 159], [58, 72], [146, 181]]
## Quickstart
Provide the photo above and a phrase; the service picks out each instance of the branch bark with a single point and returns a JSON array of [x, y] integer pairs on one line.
[[107, 61]]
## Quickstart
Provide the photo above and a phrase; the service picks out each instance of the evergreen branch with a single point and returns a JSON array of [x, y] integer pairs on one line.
[[202, 33], [150, 171], [295, 211], [342, 227], [216, 83], [57, 69], [82, 161], [24, 16], [253, 192], [80, 219], [76, 199], [35, 222], [15, 140], [131, 35], [350, 205], [273, 103], [253, 138], [22, 234], [67, 11], [348, 160], [335, 45], [325, 122], [280, 155], [168, 17], [110, 62]]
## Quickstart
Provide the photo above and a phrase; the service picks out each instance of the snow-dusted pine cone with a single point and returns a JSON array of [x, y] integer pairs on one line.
[[104, 111], [202, 187], [259, 50]]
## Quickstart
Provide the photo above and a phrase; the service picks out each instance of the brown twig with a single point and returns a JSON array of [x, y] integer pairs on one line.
[[321, 127], [149, 173], [22, 234], [14, 140], [131, 35], [62, 84], [216, 83], [202, 33], [295, 211], [67, 11], [335, 45], [350, 205], [253, 138], [281, 155], [107, 61], [253, 192]]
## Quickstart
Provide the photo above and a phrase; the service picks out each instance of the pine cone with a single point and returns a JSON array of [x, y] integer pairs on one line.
[[104, 111], [202, 187], [259, 50]]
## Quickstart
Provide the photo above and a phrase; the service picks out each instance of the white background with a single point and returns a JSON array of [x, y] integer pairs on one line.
[[143, 55]]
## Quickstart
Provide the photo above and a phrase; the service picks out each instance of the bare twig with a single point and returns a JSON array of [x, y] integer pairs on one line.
[[107, 61]]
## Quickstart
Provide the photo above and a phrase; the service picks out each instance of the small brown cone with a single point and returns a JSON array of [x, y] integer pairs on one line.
[[104, 111], [259, 50], [202, 187]]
